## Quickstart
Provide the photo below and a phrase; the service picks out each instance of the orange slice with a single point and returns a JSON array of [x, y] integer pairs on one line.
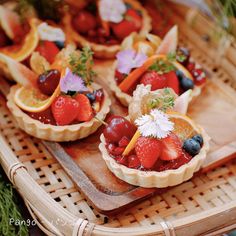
[[184, 127], [22, 51], [32, 100]]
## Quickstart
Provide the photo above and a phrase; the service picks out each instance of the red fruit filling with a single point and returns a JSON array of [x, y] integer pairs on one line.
[[88, 23]]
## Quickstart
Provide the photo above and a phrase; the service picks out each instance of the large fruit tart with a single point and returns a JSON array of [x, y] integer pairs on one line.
[[103, 24], [62, 103], [160, 148], [160, 63], [21, 37]]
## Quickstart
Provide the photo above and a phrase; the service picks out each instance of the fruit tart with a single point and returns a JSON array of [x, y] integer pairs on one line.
[[60, 104], [160, 63], [103, 24], [160, 148], [20, 38]]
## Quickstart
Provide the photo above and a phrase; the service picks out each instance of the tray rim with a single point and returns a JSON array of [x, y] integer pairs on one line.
[[19, 176]]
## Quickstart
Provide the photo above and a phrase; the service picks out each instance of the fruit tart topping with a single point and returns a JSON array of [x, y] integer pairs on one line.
[[84, 22], [132, 22], [128, 60], [112, 10], [48, 81], [49, 33], [186, 84], [191, 146], [148, 150], [198, 138], [48, 49], [85, 111], [117, 128], [171, 147], [156, 124], [64, 110], [72, 83], [199, 76], [183, 56]]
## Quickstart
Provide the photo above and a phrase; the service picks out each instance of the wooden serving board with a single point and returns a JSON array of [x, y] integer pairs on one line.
[[214, 110]]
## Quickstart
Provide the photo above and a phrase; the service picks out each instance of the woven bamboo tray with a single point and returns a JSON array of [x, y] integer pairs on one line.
[[199, 206]]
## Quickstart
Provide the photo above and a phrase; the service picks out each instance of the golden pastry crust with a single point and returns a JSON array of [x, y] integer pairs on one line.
[[57, 133], [150, 179], [100, 50]]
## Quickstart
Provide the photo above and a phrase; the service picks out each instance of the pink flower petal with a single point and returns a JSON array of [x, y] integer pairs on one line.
[[72, 82], [128, 60]]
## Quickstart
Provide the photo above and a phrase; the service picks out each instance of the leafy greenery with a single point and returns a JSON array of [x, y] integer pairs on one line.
[[163, 66], [8, 210], [164, 102], [82, 64]]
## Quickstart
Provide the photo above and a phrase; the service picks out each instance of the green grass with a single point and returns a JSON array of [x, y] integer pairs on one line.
[[9, 209]]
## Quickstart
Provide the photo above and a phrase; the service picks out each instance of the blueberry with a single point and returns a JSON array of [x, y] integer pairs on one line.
[[91, 97], [192, 147], [60, 44], [179, 74], [186, 84], [198, 138]]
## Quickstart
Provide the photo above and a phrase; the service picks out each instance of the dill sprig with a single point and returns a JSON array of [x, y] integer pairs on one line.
[[9, 210], [81, 65], [164, 102]]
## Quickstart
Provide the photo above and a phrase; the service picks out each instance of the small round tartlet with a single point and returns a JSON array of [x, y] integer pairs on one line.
[[150, 179], [57, 133], [102, 50], [148, 161]]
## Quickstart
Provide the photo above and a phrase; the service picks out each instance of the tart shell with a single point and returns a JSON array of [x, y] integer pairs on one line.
[[150, 179], [100, 50], [57, 133]]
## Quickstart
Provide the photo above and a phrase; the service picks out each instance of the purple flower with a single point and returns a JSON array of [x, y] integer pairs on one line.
[[72, 82], [128, 60]]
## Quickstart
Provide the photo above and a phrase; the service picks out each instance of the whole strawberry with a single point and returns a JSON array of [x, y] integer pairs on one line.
[[148, 150], [64, 110]]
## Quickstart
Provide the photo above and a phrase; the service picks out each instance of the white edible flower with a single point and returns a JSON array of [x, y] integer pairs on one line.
[[112, 10], [47, 32], [156, 124], [141, 91]]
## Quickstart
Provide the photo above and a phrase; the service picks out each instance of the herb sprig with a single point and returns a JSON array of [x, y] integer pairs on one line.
[[82, 64], [163, 66], [164, 102]]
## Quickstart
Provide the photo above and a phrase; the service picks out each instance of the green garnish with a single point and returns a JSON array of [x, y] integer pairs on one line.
[[163, 103], [162, 66], [81, 65]]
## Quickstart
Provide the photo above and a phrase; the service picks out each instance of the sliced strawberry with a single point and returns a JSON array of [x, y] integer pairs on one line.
[[171, 148], [124, 142], [119, 76], [132, 15], [48, 50], [133, 162], [85, 111], [123, 29], [123, 160], [148, 150], [154, 79], [64, 110], [172, 81]]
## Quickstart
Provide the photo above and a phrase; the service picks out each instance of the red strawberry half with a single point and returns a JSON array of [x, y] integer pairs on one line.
[[48, 50], [172, 81], [85, 111], [154, 79], [64, 110], [148, 150], [171, 148]]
